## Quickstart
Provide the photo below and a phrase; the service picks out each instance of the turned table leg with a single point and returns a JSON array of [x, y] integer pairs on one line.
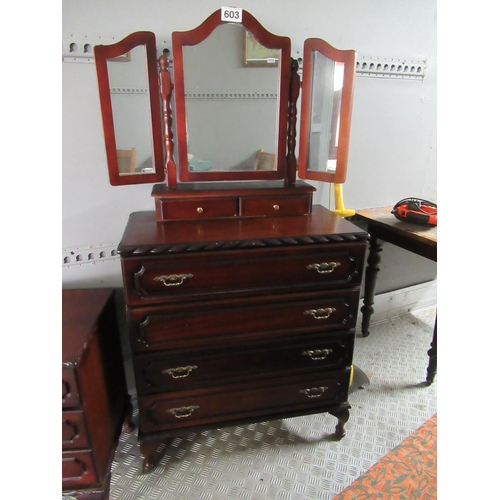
[[432, 352], [372, 270]]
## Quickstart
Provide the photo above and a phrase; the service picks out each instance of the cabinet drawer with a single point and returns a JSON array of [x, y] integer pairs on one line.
[[185, 369], [77, 469], [174, 326], [198, 276], [180, 209], [256, 206], [177, 410], [74, 430], [70, 392]]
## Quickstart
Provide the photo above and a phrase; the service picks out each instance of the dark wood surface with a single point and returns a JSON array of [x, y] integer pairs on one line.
[[419, 239], [95, 397], [416, 238], [143, 230], [240, 320]]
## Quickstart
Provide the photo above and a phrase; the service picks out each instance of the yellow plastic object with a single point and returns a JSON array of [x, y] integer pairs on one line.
[[339, 202], [352, 375]]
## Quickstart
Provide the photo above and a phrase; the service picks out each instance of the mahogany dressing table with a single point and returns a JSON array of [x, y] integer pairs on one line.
[[241, 295]]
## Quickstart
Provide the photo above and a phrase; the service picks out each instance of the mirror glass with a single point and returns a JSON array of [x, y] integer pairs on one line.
[[326, 109], [129, 90], [326, 97], [127, 78], [231, 88]]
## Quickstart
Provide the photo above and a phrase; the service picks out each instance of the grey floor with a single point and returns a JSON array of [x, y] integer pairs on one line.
[[292, 459]]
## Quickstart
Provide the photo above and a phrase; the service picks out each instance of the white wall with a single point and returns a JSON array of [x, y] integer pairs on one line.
[[393, 137]]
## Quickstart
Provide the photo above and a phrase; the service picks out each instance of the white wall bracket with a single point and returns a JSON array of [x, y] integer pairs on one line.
[[89, 254], [383, 67]]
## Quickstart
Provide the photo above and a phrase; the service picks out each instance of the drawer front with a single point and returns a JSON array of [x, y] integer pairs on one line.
[[186, 369], [74, 430], [198, 276], [177, 410], [257, 206], [174, 326], [77, 469], [70, 392], [181, 209]]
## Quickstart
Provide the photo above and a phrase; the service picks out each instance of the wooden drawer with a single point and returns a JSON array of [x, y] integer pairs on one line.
[[74, 430], [70, 391], [185, 325], [169, 278], [252, 206], [176, 410], [77, 469], [184, 369], [208, 208]]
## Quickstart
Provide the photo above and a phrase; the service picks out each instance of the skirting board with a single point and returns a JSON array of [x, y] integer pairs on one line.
[[399, 302]]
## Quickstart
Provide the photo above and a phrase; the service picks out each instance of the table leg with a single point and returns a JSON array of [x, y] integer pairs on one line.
[[372, 270], [432, 352]]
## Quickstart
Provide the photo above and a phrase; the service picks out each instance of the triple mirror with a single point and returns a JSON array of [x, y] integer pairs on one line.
[[235, 92]]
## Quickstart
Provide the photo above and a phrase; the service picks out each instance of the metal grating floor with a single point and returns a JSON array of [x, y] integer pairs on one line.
[[292, 459]]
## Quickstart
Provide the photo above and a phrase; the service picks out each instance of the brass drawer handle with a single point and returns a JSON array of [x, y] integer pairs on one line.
[[321, 313], [317, 354], [183, 411], [324, 267], [276, 207], [199, 210], [180, 372], [314, 392], [173, 279]]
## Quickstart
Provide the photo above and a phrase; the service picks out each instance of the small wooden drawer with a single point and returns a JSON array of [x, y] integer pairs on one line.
[[70, 392], [77, 469], [258, 206], [185, 369], [173, 278], [74, 430], [207, 208], [220, 404], [167, 327]]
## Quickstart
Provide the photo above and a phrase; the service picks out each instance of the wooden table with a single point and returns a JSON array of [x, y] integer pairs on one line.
[[419, 239]]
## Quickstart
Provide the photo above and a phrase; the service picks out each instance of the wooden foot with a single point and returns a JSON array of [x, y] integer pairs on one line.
[[149, 452], [128, 425], [343, 417]]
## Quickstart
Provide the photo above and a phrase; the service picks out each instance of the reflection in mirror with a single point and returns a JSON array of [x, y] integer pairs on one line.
[[128, 86], [326, 95], [223, 98]]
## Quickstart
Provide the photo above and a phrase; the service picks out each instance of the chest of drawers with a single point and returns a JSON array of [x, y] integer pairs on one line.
[[240, 320], [95, 401]]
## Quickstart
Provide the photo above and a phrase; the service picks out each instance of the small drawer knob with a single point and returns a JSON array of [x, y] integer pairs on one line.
[[199, 210], [276, 207]]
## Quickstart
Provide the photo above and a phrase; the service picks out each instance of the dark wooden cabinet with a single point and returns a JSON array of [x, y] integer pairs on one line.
[[240, 320], [95, 401]]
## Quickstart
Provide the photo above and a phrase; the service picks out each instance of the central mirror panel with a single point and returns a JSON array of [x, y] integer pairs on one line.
[[231, 84]]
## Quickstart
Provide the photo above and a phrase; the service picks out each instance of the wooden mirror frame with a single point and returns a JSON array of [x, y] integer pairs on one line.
[[264, 37], [348, 57], [103, 53]]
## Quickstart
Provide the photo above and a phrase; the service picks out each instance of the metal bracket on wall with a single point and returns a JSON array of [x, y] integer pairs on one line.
[[80, 48], [383, 67], [89, 254]]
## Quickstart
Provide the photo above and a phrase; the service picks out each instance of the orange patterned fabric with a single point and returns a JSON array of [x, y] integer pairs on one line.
[[408, 472]]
